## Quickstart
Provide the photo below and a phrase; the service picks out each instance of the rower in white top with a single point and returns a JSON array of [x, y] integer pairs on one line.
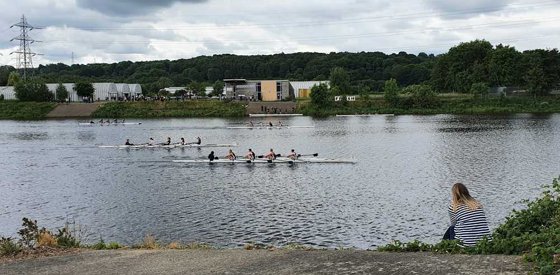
[[151, 142]]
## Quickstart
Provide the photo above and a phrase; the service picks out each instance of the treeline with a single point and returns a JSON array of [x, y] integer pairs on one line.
[[455, 71]]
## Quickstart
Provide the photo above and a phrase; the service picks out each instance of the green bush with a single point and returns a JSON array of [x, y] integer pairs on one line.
[[8, 247], [67, 239]]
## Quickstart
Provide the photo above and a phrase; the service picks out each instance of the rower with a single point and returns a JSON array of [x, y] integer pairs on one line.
[[270, 155], [293, 155], [101, 121], [280, 123], [250, 155], [91, 122], [128, 142], [211, 156], [251, 124], [115, 121], [270, 124], [151, 142], [198, 140], [168, 142], [231, 155], [182, 141]]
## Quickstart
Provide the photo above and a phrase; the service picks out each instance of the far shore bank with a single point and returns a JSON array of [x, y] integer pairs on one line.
[[17, 110]]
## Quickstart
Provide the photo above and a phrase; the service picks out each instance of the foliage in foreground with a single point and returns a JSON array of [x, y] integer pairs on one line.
[[158, 109], [32, 237], [533, 232]]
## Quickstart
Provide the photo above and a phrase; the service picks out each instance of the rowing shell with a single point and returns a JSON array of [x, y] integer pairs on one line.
[[268, 127], [256, 161], [108, 124], [141, 146]]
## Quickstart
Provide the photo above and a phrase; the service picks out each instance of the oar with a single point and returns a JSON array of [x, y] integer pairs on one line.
[[307, 155], [262, 156]]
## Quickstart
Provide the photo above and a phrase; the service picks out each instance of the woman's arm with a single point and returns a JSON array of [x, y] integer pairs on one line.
[[452, 215]]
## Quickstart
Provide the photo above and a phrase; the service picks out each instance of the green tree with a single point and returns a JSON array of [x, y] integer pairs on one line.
[[4, 74], [479, 89], [339, 79], [84, 89], [197, 88], [463, 65], [320, 95], [13, 78], [32, 90], [536, 81], [391, 92], [61, 92], [422, 96], [164, 82], [218, 88], [504, 66]]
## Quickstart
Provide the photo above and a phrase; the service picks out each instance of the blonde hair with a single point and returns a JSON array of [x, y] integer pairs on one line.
[[460, 195]]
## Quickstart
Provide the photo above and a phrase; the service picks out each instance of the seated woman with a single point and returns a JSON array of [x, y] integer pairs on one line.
[[468, 222]]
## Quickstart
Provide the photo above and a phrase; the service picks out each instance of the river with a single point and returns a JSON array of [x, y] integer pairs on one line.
[[53, 171]]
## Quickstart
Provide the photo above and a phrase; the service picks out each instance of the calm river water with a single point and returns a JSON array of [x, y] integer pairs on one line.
[[53, 171]]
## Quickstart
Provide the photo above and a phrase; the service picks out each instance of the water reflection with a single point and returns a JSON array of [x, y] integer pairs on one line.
[[399, 189]]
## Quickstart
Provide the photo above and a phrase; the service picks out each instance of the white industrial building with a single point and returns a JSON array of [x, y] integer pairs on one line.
[[102, 91], [303, 88], [72, 95]]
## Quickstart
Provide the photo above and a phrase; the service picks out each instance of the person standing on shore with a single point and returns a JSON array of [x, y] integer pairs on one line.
[[468, 221]]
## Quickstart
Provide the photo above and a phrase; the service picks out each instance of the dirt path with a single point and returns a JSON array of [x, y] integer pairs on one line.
[[265, 262]]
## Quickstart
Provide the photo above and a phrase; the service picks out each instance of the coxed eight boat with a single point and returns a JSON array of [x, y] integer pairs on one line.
[[265, 161], [267, 127], [171, 146]]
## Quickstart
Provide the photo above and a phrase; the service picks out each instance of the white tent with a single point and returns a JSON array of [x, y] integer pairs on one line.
[[105, 91], [123, 89], [135, 89], [72, 95], [8, 92]]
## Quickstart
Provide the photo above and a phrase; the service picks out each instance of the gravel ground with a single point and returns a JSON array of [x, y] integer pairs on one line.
[[237, 261]]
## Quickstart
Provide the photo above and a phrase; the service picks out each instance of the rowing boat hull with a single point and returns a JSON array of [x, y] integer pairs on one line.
[[109, 124], [268, 127], [168, 146], [264, 161]]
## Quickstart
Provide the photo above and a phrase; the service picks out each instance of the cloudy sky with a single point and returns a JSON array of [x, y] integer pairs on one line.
[[117, 30]]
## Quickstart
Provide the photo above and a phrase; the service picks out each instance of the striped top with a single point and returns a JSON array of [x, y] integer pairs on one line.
[[470, 225]]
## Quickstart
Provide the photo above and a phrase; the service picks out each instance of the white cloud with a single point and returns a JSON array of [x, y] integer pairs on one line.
[[112, 31]]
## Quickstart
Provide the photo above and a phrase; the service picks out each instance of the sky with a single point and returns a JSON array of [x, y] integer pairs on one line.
[[107, 31]]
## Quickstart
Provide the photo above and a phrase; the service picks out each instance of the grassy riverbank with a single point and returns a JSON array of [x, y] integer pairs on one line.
[[444, 104], [158, 109], [11, 109]]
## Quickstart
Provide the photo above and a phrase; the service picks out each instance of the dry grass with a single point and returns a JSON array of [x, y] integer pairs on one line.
[[174, 245], [46, 239], [150, 242]]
